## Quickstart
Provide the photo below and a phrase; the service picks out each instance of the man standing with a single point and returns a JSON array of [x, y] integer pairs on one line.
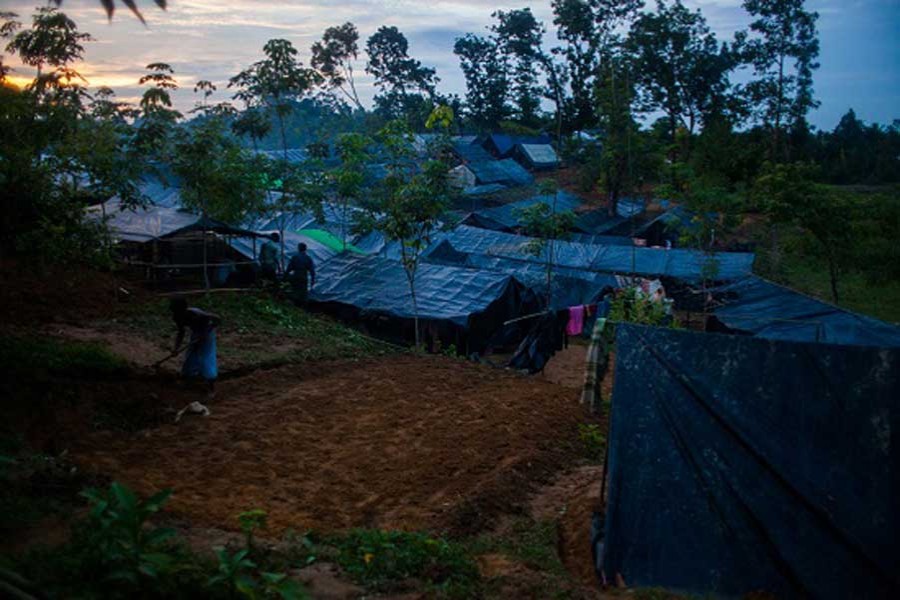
[[268, 259], [200, 361], [301, 273]]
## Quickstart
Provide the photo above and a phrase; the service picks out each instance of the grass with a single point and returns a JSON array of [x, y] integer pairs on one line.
[[39, 356], [258, 322]]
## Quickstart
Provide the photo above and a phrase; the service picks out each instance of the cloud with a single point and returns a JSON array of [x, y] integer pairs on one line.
[[214, 39]]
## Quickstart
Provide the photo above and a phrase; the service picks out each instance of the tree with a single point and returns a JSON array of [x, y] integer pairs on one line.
[[590, 32], [487, 85], [333, 58], [546, 225], [157, 118], [410, 203], [782, 54], [218, 179], [349, 177], [679, 66], [789, 194], [404, 84], [276, 82], [519, 37]]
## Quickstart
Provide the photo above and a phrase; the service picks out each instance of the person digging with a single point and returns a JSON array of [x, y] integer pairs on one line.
[[200, 362]]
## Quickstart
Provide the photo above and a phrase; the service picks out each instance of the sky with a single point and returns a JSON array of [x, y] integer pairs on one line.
[[215, 39]]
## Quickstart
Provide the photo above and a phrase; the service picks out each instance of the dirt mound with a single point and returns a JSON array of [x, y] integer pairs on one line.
[[403, 442]]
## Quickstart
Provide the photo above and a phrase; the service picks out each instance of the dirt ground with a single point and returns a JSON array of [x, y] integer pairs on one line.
[[402, 442]]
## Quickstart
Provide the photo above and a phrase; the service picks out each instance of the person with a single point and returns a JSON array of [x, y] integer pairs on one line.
[[268, 259], [200, 361], [301, 273]]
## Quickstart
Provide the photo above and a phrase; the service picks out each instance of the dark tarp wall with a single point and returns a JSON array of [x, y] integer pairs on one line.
[[738, 464], [506, 172], [456, 305], [768, 310], [649, 262]]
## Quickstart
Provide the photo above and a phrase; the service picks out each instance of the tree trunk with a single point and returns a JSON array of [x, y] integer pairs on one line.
[[205, 258], [833, 276], [411, 278]]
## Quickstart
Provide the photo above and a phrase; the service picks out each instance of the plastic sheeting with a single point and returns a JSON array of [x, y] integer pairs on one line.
[[649, 262], [507, 218], [537, 156], [502, 144], [506, 171], [768, 310], [474, 302], [569, 287], [155, 222], [738, 465]]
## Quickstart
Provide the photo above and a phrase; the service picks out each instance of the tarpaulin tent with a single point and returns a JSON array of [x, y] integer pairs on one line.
[[507, 217], [330, 240], [317, 250], [506, 172], [569, 287], [598, 221], [501, 145], [536, 156], [155, 222], [456, 305], [682, 264], [738, 465], [768, 310], [469, 152]]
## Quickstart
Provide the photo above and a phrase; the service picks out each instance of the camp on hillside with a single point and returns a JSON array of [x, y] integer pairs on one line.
[[689, 265], [740, 464]]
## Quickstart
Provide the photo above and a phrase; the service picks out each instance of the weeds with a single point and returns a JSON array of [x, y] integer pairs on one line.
[[593, 441], [384, 559]]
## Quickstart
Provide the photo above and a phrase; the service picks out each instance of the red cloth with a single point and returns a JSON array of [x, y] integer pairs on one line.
[[576, 320]]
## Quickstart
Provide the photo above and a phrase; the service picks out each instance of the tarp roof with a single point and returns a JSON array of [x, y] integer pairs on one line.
[[768, 310], [469, 152], [506, 217], [294, 155], [316, 250], [741, 465], [156, 222], [481, 190], [597, 221], [570, 287], [649, 262], [506, 171], [379, 285], [630, 207], [539, 156], [504, 143]]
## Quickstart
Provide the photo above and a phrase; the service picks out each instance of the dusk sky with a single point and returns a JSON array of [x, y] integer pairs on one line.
[[214, 39]]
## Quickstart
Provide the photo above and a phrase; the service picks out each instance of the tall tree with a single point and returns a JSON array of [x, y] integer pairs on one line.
[[781, 48], [591, 31], [333, 58], [487, 84], [519, 36], [277, 82], [680, 67], [158, 118], [404, 83]]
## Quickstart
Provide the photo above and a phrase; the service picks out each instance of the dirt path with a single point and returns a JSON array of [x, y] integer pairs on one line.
[[403, 442]]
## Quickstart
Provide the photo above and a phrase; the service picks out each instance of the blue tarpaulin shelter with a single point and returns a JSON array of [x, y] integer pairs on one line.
[[501, 145], [598, 222], [457, 305], [507, 218], [506, 172], [688, 265], [570, 287], [469, 152], [767, 310], [740, 465]]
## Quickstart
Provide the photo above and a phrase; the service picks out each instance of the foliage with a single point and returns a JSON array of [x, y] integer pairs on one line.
[[381, 558], [782, 49], [333, 58], [487, 84], [128, 551], [630, 305], [593, 440], [250, 521]]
